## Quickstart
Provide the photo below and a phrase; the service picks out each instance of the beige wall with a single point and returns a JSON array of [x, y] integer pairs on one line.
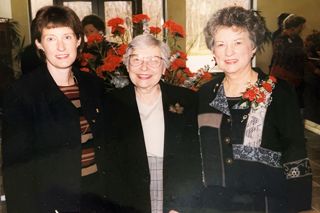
[[177, 13], [270, 9], [20, 13], [5, 9]]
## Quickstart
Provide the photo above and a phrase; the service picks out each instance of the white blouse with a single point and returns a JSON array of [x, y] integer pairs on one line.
[[153, 126]]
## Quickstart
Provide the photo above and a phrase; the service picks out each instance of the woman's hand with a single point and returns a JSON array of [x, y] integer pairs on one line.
[[173, 211]]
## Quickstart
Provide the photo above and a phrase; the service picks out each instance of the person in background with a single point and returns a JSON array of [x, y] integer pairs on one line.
[[280, 19], [289, 56], [278, 32], [155, 130], [54, 147], [251, 133], [93, 24], [96, 45], [312, 78]]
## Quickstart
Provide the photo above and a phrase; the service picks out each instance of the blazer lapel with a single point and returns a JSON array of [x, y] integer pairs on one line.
[[52, 94], [133, 116], [88, 98]]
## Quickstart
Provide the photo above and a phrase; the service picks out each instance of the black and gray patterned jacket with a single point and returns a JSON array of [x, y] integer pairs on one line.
[[278, 168]]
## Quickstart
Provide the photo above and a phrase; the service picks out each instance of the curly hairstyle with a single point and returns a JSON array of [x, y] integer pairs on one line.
[[249, 20]]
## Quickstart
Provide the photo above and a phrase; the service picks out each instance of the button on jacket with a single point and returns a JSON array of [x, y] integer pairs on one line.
[[279, 169]]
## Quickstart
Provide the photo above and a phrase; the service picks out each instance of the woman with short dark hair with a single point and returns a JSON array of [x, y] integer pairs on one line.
[[54, 147], [93, 24]]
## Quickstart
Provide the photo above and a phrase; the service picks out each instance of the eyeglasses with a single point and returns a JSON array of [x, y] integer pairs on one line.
[[152, 61]]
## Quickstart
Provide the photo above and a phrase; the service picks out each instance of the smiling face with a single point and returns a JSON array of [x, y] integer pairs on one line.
[[59, 45], [148, 74], [233, 50]]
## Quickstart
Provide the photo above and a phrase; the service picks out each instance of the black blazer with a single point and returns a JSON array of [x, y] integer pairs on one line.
[[182, 164], [41, 144]]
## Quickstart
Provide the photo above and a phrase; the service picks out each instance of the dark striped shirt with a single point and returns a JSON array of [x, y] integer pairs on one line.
[[88, 163]]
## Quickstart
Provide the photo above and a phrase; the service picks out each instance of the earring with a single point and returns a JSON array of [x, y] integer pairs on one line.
[[214, 61]]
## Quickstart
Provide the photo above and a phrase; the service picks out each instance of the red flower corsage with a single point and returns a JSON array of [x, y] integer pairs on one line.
[[258, 95]]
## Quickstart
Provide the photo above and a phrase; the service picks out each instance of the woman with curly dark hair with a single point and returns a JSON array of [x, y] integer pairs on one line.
[[253, 161]]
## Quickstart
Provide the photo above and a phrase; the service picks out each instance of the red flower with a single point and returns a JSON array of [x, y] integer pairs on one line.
[[267, 86], [118, 30], [121, 50], [139, 18], [273, 79], [250, 94], [257, 93], [206, 76], [261, 98], [181, 54], [178, 63], [168, 24], [111, 62], [174, 28], [155, 30], [115, 22], [85, 57], [94, 38]]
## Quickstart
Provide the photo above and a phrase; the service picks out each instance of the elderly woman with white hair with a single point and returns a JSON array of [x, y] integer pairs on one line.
[[155, 133]]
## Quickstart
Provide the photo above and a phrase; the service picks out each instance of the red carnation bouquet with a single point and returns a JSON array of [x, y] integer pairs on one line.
[[105, 58]]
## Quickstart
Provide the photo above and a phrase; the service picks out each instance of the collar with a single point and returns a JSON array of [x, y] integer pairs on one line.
[[219, 101]]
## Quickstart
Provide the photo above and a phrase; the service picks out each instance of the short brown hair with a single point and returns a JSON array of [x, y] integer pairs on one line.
[[56, 16]]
